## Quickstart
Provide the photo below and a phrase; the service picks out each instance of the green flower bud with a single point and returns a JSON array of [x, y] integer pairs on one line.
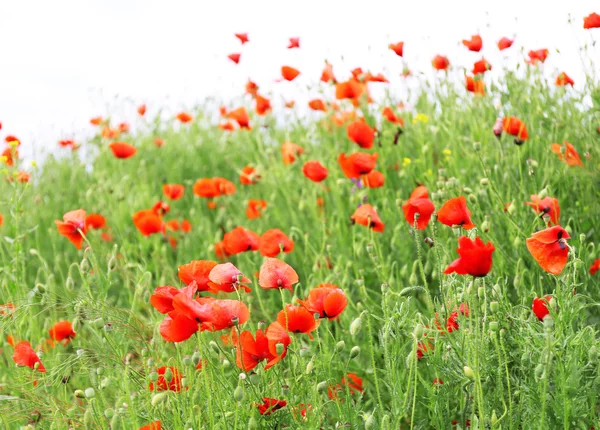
[[238, 394], [213, 345], [370, 422], [305, 352], [226, 364], [468, 372], [322, 386], [89, 393], [88, 419], [339, 347], [355, 326], [548, 322], [484, 182], [196, 358], [79, 394], [310, 366], [159, 398], [108, 413], [187, 361], [593, 354], [84, 265], [481, 292], [418, 331], [539, 371], [168, 375], [153, 376], [355, 351], [279, 348], [494, 307]]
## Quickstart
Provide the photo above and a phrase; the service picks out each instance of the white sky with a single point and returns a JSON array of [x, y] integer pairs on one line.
[[62, 62]]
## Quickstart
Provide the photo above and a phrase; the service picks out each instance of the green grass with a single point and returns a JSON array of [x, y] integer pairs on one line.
[[501, 369]]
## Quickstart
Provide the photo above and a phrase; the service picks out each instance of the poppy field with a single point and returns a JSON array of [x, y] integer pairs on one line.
[[358, 262]]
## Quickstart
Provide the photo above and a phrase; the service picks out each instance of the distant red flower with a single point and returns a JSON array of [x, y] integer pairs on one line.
[[141, 110], [240, 240], [184, 117], [547, 205], [475, 258], [418, 203], [361, 133], [540, 307], [271, 405], [595, 266], [591, 21], [475, 85], [549, 248], [173, 191], [243, 37], [481, 66], [317, 104], [570, 155], [274, 241], [252, 351], [374, 179], [277, 274], [563, 80], [240, 115], [24, 355], [235, 57], [62, 330], [352, 381], [366, 215], [514, 126], [11, 155], [255, 208], [158, 142], [357, 164], [297, 319], [263, 105], [289, 73], [294, 43], [249, 176], [455, 213], [163, 385], [147, 222], [539, 55], [328, 300], [474, 44], [504, 43], [389, 114], [398, 48], [315, 171], [440, 62], [122, 149], [152, 426], [290, 151], [327, 75], [73, 227]]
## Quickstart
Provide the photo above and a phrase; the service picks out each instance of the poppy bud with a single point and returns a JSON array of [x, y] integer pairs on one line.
[[477, 146], [517, 242], [369, 248], [88, 419], [310, 367], [494, 417], [355, 351], [468, 372], [196, 358], [493, 326], [108, 413], [517, 282], [485, 226], [467, 190], [429, 241], [548, 322], [89, 393], [418, 331], [239, 394], [355, 326], [226, 364], [187, 361], [553, 305], [153, 376], [322, 386], [413, 280], [494, 307], [279, 348], [262, 325], [112, 264], [339, 347], [484, 182], [70, 283], [84, 265], [105, 383], [79, 394], [472, 198], [150, 362], [254, 378], [370, 422], [213, 345], [305, 352], [159, 398], [543, 194]]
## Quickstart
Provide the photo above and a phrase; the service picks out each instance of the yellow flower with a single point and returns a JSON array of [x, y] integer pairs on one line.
[[420, 117], [4, 158], [446, 152], [33, 163], [14, 143], [406, 162]]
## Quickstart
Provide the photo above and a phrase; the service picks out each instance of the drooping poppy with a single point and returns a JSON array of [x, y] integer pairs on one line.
[[475, 85], [418, 203], [398, 48], [481, 66], [455, 213], [62, 330], [538, 55], [328, 300], [514, 126], [240, 115], [227, 278], [547, 205], [277, 274], [24, 355], [474, 44], [569, 156], [263, 105], [366, 215], [294, 43], [270, 405], [374, 179], [591, 21], [255, 209], [173, 191], [549, 248], [315, 171], [504, 43], [290, 151], [289, 73], [389, 115], [317, 105], [147, 222], [163, 385], [240, 240], [540, 307], [196, 271], [475, 258], [595, 266], [235, 57], [73, 227], [563, 80], [122, 150], [95, 221], [357, 164], [243, 37], [297, 319], [361, 133]]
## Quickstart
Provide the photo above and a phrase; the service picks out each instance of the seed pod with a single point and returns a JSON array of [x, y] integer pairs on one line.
[[153, 376]]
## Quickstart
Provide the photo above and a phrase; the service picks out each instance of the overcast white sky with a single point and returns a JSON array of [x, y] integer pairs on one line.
[[62, 62]]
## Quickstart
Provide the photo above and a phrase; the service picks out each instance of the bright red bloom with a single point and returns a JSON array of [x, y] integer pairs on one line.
[[440, 62], [73, 227], [563, 80], [354, 383], [389, 114], [248, 176], [240, 240], [289, 73], [570, 155], [549, 248], [297, 319], [24, 355], [235, 57], [315, 171], [290, 151], [540, 307], [475, 85], [252, 351], [361, 133], [197, 271], [263, 105], [539, 55], [152, 426], [547, 205], [591, 21], [481, 66], [163, 385], [398, 48], [162, 298], [226, 277], [184, 117], [294, 43], [122, 149], [504, 43], [240, 115], [328, 300], [277, 274], [243, 37], [474, 44], [95, 221], [418, 203], [271, 405], [514, 126], [255, 209], [595, 266], [374, 179], [173, 191], [351, 89], [455, 213], [147, 222], [273, 242], [317, 104], [475, 258], [357, 164], [366, 215], [62, 330]]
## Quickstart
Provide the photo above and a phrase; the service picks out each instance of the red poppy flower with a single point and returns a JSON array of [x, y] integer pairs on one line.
[[328, 300], [289, 73], [11, 155], [440, 62], [418, 203], [290, 151], [277, 274], [163, 385], [351, 89], [184, 117], [366, 215], [73, 227], [224, 314], [317, 104], [123, 127], [504, 43], [593, 268], [240, 240], [475, 258], [207, 188], [389, 114], [294, 43], [235, 57], [220, 251], [591, 21], [243, 37], [178, 328], [252, 351], [361, 133], [24, 355], [68, 142], [95, 221], [539, 55], [147, 222], [249, 176], [327, 75], [354, 383], [398, 48], [263, 105], [540, 307], [475, 85], [315, 171], [197, 271], [122, 150], [549, 248], [547, 205], [273, 242], [570, 155], [173, 191], [514, 126], [481, 67], [563, 80], [297, 319], [62, 330], [226, 277], [374, 179], [162, 298], [158, 142], [271, 405], [141, 110], [152, 426], [255, 209], [455, 213], [357, 164], [474, 44], [240, 115]]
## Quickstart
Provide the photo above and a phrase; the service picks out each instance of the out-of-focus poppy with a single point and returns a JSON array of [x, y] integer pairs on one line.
[[366, 215], [474, 44], [569, 156], [514, 126], [263, 105], [389, 114], [440, 62], [563, 80], [317, 104], [547, 205], [162, 384], [398, 48], [95, 221], [595, 266], [475, 85], [240, 115], [243, 37], [294, 43], [475, 258], [481, 66], [235, 57], [73, 227], [184, 117], [357, 164], [327, 75], [255, 208], [248, 176], [540, 307], [196, 271], [270, 405], [418, 203], [504, 43], [455, 213], [122, 149], [549, 248], [290, 151], [173, 191], [152, 426], [539, 55], [147, 222], [289, 73], [62, 330], [315, 171], [361, 133], [374, 179], [24, 355], [240, 240], [591, 21], [273, 242], [141, 110]]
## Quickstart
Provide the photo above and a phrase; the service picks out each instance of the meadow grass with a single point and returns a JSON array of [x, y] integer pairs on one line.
[[502, 368]]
